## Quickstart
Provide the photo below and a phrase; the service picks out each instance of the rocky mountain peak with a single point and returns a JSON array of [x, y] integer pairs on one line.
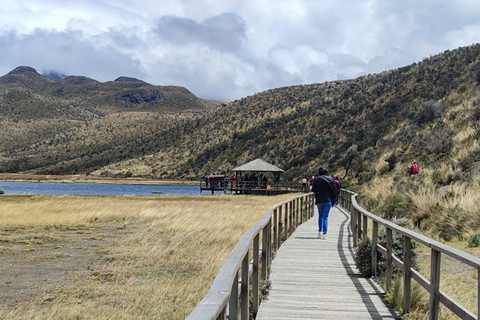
[[23, 69]]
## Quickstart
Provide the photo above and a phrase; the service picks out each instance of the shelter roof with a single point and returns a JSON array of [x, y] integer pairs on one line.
[[258, 165]]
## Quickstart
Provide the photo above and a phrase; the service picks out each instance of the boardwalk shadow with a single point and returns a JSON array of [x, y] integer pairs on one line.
[[355, 277]]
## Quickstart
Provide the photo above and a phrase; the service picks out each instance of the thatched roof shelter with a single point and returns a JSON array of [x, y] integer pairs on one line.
[[259, 168]]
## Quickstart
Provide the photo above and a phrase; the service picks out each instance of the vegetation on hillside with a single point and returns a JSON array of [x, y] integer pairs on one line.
[[76, 124], [389, 119]]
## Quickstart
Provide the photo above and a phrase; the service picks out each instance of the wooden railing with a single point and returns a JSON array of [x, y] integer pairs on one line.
[[238, 280], [359, 226]]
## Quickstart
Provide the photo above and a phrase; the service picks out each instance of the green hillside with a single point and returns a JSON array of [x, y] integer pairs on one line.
[[359, 127], [77, 124], [366, 125]]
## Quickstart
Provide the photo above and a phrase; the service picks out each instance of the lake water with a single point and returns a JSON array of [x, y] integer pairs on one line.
[[98, 189]]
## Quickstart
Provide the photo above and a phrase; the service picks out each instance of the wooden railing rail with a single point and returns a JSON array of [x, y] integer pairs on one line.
[[238, 279], [359, 227]]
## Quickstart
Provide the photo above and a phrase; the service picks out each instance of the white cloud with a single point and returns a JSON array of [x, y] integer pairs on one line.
[[229, 49]]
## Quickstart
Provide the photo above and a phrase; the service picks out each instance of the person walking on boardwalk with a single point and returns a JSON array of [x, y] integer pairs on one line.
[[325, 197]]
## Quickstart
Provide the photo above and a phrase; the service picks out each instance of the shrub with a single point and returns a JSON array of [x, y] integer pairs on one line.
[[474, 241], [363, 254], [2, 192], [427, 112], [395, 206], [363, 257], [397, 245]]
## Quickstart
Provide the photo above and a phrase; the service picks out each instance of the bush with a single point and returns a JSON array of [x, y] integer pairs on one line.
[[395, 206], [474, 241], [397, 245], [427, 112], [2, 192], [363, 253], [363, 257]]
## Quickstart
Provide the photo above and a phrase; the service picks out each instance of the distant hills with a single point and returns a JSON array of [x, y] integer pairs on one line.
[[359, 127], [76, 124]]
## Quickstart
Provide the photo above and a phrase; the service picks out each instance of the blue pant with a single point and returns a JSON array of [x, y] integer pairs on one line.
[[323, 211]]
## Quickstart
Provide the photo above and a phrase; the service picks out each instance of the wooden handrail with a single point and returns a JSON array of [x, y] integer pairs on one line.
[[222, 300], [359, 223]]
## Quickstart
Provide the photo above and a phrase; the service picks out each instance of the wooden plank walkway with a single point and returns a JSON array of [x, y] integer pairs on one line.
[[313, 278]]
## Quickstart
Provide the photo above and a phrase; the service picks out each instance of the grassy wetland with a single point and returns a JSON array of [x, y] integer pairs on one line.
[[71, 257]]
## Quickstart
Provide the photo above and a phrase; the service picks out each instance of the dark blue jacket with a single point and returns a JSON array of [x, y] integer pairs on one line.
[[324, 189]]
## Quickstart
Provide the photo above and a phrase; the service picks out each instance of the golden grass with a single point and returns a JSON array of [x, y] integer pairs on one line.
[[158, 265], [445, 198], [457, 280]]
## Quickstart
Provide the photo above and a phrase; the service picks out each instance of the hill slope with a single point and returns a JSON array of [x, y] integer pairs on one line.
[[359, 127], [48, 122]]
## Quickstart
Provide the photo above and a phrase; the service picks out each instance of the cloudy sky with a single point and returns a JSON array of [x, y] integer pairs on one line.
[[228, 49]]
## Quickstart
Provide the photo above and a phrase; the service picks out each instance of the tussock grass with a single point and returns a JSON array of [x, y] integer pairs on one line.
[[157, 261], [444, 205]]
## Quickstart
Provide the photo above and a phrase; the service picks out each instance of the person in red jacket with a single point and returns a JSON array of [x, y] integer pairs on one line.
[[413, 169]]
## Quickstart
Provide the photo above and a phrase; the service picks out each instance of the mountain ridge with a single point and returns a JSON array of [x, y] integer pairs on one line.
[[359, 127]]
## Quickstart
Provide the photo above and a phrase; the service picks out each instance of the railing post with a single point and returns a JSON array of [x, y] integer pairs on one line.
[[280, 224], [296, 204], [269, 244], [354, 227], [255, 280], [286, 222], [478, 293], [389, 258], [407, 274], [374, 248], [244, 301], [290, 218], [264, 254], [359, 225], [313, 204], [308, 208], [309, 200], [302, 211], [222, 316], [435, 284], [365, 226], [233, 304], [275, 230]]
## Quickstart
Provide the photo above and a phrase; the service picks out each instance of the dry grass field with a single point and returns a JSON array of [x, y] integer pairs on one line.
[[67, 257]]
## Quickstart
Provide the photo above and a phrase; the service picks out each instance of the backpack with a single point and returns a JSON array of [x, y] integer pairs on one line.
[[336, 181], [414, 168]]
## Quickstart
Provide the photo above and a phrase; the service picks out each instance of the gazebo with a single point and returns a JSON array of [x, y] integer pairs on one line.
[[258, 168], [254, 176]]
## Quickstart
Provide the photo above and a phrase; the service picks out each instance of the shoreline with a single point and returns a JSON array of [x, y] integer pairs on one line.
[[19, 177]]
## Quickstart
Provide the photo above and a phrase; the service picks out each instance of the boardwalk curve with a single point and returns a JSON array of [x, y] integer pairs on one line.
[[317, 279]]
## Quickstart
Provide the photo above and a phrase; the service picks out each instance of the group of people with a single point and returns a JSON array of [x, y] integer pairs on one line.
[[326, 189]]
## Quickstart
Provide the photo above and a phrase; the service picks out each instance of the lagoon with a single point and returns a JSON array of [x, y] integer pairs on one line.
[[97, 189]]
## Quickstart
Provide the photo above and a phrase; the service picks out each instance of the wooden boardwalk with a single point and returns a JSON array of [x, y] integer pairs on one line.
[[313, 278]]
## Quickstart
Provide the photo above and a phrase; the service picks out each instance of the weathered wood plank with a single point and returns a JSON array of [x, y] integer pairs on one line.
[[313, 278]]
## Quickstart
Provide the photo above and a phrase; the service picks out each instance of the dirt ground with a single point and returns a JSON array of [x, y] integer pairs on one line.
[[31, 268]]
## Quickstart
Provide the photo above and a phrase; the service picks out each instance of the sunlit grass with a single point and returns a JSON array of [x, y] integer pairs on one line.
[[159, 267], [444, 204]]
